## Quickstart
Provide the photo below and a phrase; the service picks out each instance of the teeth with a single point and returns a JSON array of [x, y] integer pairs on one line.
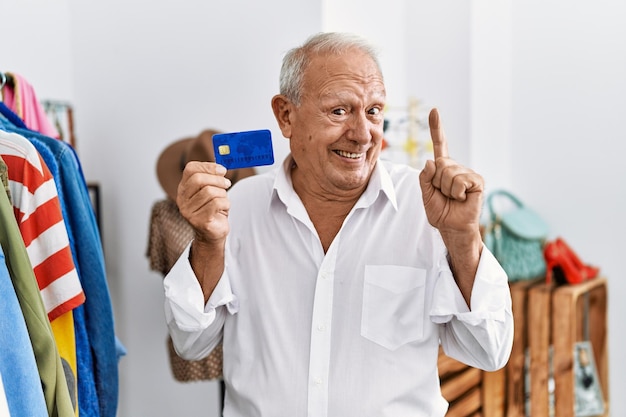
[[350, 155]]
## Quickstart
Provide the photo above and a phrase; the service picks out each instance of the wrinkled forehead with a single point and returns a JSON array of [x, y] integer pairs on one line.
[[351, 65]]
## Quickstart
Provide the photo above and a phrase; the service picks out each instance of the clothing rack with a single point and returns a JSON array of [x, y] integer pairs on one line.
[[80, 337]]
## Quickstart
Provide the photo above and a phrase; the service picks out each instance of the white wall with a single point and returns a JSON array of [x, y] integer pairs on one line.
[[43, 56], [142, 74], [569, 141], [491, 91], [438, 54]]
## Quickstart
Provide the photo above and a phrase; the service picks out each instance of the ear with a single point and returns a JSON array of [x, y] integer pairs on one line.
[[283, 108]]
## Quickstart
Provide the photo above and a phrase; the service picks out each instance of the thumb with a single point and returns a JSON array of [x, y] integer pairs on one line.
[[426, 179]]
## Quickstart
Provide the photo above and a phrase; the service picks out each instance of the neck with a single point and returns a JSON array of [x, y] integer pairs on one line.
[[326, 210]]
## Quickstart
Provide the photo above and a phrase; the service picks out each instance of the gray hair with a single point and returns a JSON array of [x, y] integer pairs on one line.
[[297, 59]]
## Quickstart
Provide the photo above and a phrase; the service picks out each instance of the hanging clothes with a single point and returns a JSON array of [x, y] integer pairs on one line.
[[38, 212], [11, 116], [49, 366], [16, 357], [83, 227], [21, 98], [40, 220], [97, 336], [97, 349], [88, 403], [24, 394]]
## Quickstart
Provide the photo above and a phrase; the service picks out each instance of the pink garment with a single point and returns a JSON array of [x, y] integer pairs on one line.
[[21, 98]]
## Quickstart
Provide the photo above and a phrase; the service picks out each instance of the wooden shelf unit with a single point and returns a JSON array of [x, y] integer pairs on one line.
[[546, 318], [568, 318]]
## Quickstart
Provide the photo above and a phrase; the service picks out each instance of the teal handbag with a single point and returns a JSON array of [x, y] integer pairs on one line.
[[516, 237]]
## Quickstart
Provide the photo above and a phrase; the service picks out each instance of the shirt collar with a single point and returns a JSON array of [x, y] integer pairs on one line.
[[380, 181]]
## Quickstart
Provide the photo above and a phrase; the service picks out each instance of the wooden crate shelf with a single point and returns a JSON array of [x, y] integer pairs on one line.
[[515, 401], [461, 386], [569, 304], [549, 321], [539, 342]]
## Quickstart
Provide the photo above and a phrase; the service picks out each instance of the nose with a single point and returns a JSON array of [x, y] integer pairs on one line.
[[360, 128]]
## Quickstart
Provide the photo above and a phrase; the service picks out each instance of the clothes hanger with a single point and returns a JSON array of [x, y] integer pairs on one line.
[[6, 79]]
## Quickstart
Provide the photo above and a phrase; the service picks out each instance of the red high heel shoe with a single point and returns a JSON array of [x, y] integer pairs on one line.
[[564, 265], [559, 266], [587, 271]]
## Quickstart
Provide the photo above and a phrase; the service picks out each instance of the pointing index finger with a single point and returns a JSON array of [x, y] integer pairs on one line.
[[440, 144]]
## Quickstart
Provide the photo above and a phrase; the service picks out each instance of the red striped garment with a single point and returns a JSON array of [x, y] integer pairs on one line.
[[38, 212]]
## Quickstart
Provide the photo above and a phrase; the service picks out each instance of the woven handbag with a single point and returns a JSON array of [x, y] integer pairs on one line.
[[516, 237]]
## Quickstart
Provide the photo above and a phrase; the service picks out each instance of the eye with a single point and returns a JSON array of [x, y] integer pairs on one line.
[[339, 112], [375, 111]]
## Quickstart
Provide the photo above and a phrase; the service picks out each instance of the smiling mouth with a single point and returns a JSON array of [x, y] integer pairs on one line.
[[350, 155]]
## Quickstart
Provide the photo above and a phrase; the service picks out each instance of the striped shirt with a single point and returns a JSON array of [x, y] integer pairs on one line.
[[38, 212]]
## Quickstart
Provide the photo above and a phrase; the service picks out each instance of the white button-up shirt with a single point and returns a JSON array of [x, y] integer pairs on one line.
[[351, 332]]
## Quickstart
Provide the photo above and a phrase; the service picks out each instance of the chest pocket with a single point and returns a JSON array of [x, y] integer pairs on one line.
[[393, 305]]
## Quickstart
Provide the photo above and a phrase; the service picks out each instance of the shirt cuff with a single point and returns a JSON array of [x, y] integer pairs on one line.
[[184, 297], [490, 299]]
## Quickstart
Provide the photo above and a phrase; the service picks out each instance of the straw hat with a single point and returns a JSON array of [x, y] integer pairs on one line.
[[173, 159]]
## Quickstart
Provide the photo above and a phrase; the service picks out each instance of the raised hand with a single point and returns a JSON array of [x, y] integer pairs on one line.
[[452, 193], [452, 197]]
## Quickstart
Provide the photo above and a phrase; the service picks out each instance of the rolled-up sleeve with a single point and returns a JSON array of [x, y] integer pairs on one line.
[[195, 327], [483, 335]]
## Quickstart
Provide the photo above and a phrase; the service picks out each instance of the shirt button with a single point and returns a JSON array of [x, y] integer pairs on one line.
[[321, 327], [318, 381]]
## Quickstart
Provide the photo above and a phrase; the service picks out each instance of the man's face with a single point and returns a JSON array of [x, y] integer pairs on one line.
[[337, 131]]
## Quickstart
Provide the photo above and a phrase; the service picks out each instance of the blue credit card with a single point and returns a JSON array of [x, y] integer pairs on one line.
[[243, 149]]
